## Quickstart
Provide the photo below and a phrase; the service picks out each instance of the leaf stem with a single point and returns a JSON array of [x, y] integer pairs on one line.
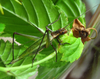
[[29, 65]]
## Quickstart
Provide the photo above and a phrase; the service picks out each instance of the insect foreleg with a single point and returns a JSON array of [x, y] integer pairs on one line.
[[54, 21], [60, 42]]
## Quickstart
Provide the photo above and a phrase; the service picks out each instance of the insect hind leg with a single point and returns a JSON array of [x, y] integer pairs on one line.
[[15, 33], [38, 48]]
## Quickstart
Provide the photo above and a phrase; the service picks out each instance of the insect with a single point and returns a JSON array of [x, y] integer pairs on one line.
[[77, 30]]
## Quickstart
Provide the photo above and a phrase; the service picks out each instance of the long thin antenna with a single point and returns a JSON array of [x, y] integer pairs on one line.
[[81, 15]]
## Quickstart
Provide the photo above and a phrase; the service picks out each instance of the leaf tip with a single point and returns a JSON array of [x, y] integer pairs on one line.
[[1, 10]]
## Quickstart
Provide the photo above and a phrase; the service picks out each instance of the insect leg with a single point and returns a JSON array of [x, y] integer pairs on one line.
[[60, 42], [53, 22], [24, 35], [54, 49], [38, 47], [48, 39], [13, 47], [13, 44]]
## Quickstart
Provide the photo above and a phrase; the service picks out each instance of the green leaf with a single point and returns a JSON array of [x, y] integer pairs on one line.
[[74, 48], [50, 73], [72, 10], [19, 1], [30, 18], [69, 52], [2, 27], [6, 57]]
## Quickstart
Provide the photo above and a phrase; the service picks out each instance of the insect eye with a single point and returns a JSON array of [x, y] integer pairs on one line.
[[62, 32]]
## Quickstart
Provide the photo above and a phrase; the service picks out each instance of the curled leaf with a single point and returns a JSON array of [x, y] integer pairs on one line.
[[80, 31]]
